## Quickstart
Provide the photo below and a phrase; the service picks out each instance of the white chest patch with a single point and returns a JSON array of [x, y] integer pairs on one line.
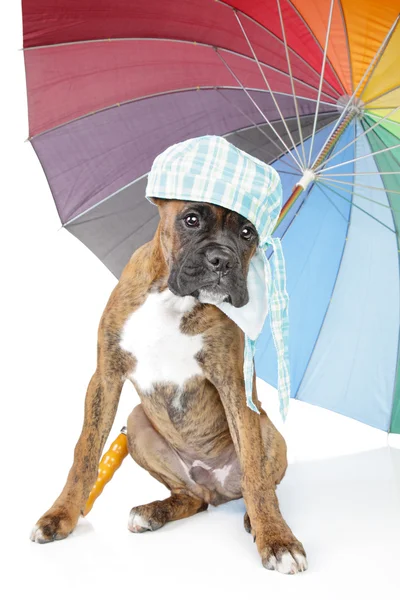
[[152, 335]]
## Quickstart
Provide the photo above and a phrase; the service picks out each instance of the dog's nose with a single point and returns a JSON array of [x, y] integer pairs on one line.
[[219, 259]]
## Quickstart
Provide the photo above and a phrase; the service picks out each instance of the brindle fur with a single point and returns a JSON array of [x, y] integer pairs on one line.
[[213, 422]]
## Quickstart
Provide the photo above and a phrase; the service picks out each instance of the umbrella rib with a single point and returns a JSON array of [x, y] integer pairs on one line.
[[259, 109], [312, 34], [360, 136], [334, 94], [188, 42], [393, 157], [333, 204], [361, 209], [260, 130], [107, 216], [360, 83], [347, 42], [291, 81], [343, 189], [360, 158], [269, 88], [368, 187], [363, 173], [379, 97], [103, 200], [321, 80], [159, 94]]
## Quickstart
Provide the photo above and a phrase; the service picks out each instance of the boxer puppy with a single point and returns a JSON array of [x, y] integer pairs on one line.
[[192, 430]]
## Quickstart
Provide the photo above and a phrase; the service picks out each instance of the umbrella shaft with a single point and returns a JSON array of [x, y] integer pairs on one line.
[[331, 143], [109, 463]]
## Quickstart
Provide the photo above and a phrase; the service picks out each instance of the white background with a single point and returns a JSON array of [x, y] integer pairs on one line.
[[341, 493]]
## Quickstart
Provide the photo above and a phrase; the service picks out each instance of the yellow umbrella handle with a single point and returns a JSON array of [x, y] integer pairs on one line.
[[110, 462]]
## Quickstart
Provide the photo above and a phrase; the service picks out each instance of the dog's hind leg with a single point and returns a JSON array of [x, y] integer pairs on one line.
[[149, 449], [149, 517]]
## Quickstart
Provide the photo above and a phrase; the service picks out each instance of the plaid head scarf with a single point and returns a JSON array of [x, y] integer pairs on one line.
[[210, 169]]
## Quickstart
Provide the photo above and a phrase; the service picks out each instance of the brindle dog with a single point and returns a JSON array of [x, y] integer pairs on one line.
[[192, 430]]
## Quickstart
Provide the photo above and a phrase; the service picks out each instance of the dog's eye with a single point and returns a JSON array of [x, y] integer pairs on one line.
[[192, 220], [246, 233]]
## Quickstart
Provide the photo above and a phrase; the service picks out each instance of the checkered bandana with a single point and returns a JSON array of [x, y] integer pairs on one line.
[[210, 169]]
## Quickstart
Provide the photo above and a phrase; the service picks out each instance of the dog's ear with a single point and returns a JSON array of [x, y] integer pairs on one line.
[[158, 202]]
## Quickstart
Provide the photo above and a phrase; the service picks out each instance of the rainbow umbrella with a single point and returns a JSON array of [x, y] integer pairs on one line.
[[310, 86]]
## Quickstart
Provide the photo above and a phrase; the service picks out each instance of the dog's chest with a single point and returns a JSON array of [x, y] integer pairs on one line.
[[153, 336]]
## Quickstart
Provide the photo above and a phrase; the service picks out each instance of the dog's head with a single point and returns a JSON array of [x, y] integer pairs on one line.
[[207, 249]]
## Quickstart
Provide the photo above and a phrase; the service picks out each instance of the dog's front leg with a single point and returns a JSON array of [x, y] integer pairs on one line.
[[278, 547], [100, 407]]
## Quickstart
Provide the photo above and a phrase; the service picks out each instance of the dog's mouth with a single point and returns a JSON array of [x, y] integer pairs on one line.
[[207, 293], [211, 294], [214, 292]]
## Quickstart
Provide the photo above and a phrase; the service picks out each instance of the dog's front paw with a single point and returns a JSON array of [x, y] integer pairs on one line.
[[288, 558], [56, 524]]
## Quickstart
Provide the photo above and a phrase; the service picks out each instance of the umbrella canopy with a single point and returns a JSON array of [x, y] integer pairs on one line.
[[309, 86]]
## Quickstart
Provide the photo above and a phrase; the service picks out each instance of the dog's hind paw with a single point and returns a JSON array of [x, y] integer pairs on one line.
[[139, 524]]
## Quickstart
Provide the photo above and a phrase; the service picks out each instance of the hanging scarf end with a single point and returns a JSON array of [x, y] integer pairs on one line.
[[284, 409], [251, 404]]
